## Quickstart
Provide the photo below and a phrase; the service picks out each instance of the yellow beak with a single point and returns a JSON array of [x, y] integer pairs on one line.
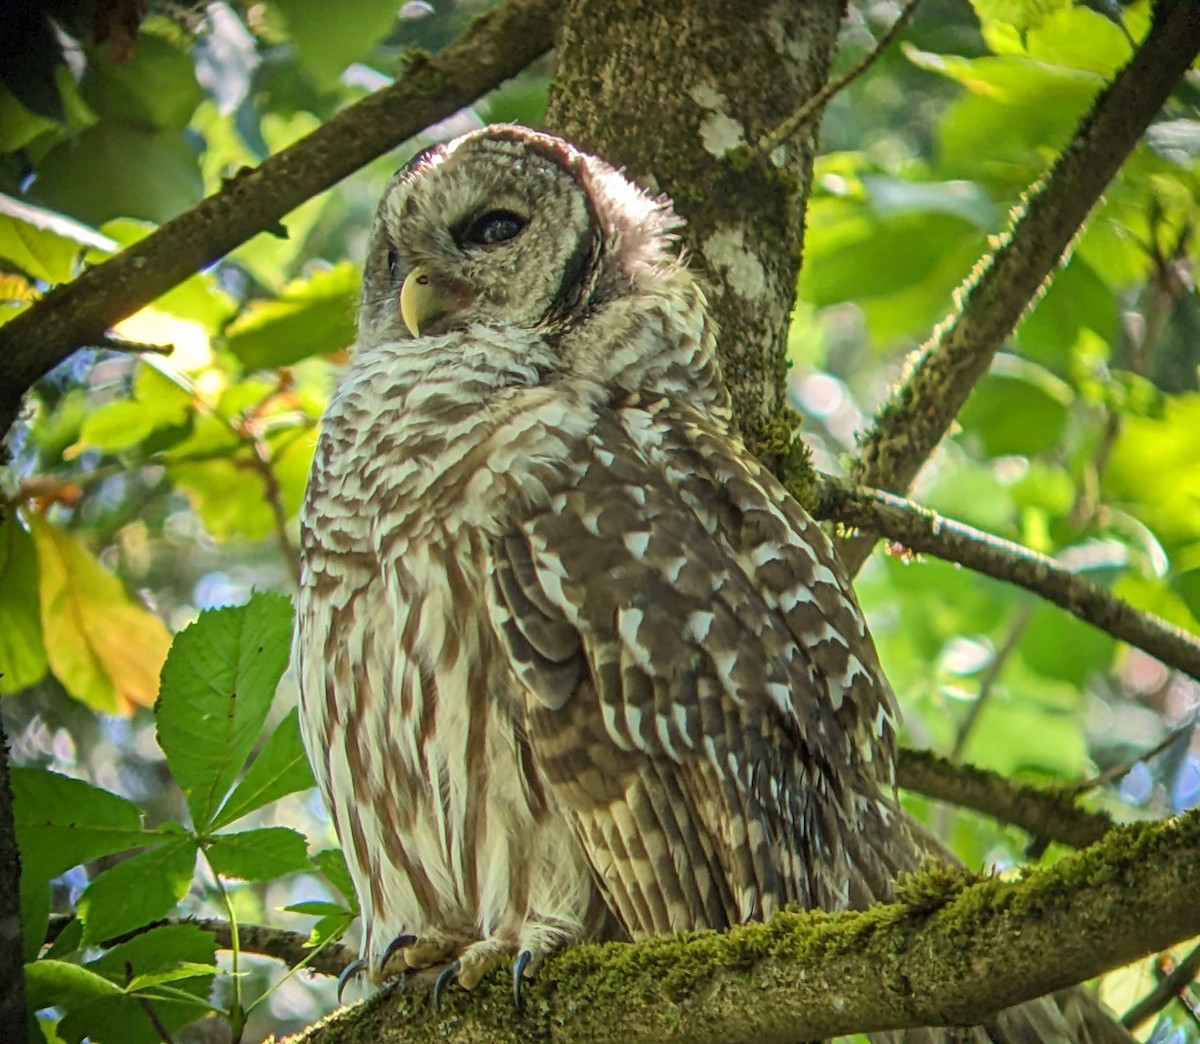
[[421, 300]]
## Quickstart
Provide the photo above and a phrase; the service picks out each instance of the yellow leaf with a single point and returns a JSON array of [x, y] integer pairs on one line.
[[105, 648]]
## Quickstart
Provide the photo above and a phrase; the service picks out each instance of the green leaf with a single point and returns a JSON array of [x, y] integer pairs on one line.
[[176, 954], [114, 170], [1018, 408], [179, 973], [154, 89], [280, 768], [124, 423], [67, 941], [317, 908], [310, 317], [43, 243], [22, 647], [332, 927], [60, 983], [332, 863], [1057, 645], [326, 41], [62, 822], [259, 855], [138, 890], [1023, 15], [217, 686]]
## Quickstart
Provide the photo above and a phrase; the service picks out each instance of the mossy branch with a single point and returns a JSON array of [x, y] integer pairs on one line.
[[920, 529], [495, 48], [995, 297], [1047, 815], [953, 950]]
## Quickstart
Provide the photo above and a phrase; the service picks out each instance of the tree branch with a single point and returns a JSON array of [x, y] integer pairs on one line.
[[923, 530], [1046, 814], [955, 949], [1169, 987], [497, 46], [995, 297]]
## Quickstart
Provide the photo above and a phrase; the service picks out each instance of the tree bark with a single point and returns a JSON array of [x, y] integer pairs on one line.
[[672, 90], [12, 963]]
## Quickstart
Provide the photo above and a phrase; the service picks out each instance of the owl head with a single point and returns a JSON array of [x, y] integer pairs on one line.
[[508, 227]]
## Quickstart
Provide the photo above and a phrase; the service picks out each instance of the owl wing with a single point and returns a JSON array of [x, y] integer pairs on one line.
[[701, 695]]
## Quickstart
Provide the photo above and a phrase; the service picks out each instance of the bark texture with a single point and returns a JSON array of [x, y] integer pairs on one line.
[[672, 91]]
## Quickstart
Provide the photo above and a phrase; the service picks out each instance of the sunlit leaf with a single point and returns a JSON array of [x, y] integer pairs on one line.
[[104, 647], [125, 423], [22, 647], [44, 243], [259, 855], [281, 768], [310, 317], [217, 686]]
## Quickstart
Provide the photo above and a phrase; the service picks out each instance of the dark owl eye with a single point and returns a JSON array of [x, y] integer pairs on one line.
[[393, 259], [496, 226]]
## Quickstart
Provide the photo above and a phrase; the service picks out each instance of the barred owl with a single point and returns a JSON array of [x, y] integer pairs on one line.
[[573, 664]]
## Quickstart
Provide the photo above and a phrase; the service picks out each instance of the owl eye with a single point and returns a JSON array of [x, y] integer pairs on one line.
[[496, 226]]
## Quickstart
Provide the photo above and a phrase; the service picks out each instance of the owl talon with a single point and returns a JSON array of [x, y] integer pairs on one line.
[[397, 946], [352, 969], [447, 974], [518, 971]]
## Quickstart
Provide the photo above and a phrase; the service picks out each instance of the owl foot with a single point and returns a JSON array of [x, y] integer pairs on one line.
[[408, 953], [477, 960]]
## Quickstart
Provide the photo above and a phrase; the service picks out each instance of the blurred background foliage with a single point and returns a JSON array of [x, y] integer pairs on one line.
[[145, 488]]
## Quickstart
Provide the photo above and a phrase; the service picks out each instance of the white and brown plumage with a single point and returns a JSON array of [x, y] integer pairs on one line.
[[573, 665]]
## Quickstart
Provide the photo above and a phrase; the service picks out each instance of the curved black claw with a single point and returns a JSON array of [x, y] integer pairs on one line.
[[352, 969], [448, 974], [518, 970], [401, 942]]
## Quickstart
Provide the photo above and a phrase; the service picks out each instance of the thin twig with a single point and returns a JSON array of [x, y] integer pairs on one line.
[[119, 344], [811, 108], [160, 1028], [1167, 989], [991, 675], [1124, 768], [922, 530]]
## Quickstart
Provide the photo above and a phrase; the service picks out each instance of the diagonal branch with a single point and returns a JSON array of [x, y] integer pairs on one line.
[[1046, 814], [495, 48], [923, 530], [918, 413], [955, 949]]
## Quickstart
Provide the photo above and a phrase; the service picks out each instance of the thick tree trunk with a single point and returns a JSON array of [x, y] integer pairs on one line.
[[671, 90]]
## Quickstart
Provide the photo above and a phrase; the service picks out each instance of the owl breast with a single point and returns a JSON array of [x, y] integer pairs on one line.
[[412, 726]]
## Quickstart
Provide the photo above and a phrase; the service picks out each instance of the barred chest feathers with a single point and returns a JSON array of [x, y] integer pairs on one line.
[[411, 477]]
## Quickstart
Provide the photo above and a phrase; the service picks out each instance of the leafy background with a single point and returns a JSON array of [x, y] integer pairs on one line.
[[147, 488]]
